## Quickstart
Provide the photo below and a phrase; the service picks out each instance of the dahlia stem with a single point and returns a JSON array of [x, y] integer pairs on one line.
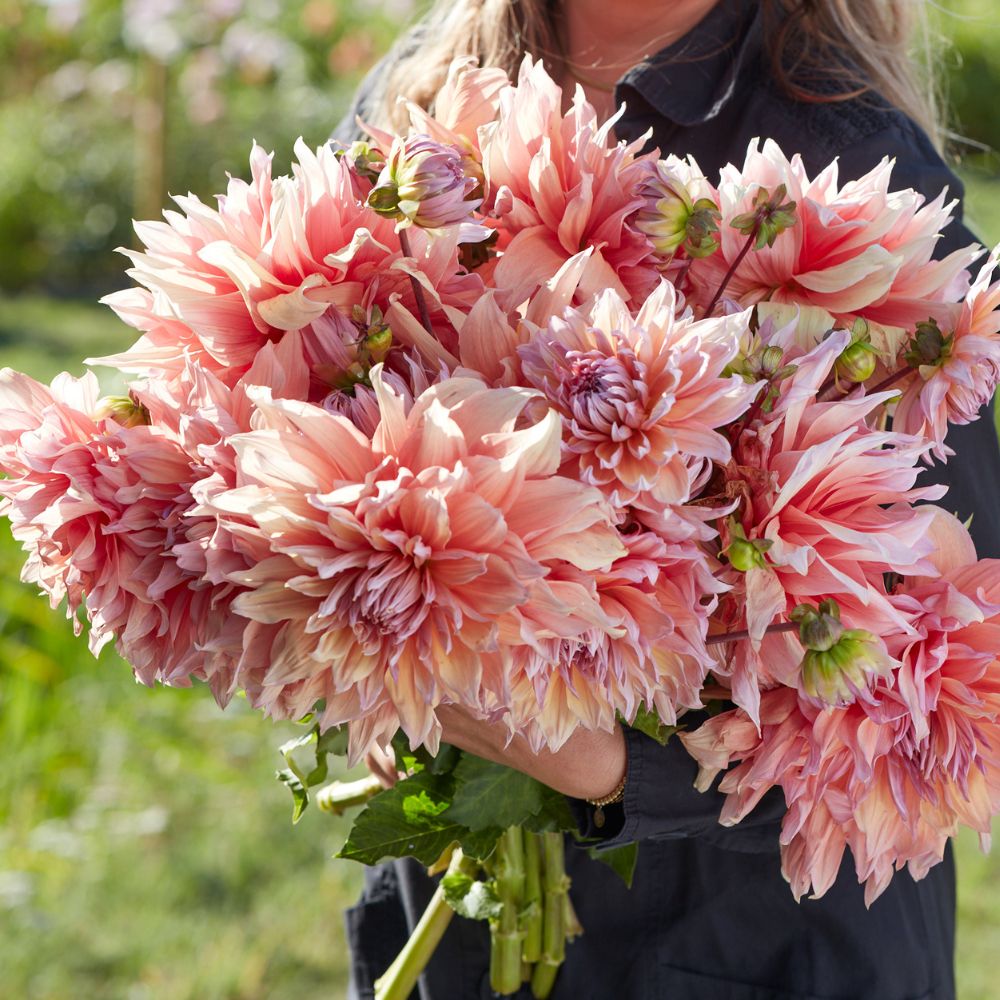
[[418, 291], [338, 797], [505, 933], [397, 982], [751, 239], [555, 886], [888, 383], [531, 911], [714, 640]]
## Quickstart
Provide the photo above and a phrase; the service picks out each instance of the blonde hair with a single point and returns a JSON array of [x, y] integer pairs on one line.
[[820, 50]]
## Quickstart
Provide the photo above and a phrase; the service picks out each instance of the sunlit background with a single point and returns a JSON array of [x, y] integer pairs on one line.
[[146, 850]]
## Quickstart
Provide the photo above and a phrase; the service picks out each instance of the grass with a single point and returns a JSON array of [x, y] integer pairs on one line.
[[146, 851]]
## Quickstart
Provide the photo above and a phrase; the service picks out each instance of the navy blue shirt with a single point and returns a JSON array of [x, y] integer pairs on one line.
[[710, 916]]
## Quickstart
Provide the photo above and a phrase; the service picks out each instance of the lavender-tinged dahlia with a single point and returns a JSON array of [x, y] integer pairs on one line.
[[640, 398], [424, 183]]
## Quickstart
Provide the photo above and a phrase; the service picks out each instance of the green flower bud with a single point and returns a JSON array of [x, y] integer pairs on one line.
[[701, 232], [672, 219], [365, 159], [856, 363], [743, 553], [371, 348], [928, 345], [124, 410], [838, 662], [769, 218]]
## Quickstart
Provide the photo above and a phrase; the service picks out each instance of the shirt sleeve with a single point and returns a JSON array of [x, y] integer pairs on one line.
[[660, 799]]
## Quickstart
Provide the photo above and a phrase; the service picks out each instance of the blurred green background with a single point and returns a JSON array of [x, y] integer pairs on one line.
[[146, 850]]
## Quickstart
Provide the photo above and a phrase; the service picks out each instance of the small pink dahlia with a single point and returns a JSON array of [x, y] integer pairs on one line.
[[641, 398]]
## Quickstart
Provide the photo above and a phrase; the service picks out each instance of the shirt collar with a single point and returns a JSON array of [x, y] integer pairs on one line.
[[692, 80]]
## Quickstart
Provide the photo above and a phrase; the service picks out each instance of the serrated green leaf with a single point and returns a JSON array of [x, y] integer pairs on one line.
[[408, 820], [647, 721], [300, 797], [470, 898], [621, 860], [555, 815], [491, 795]]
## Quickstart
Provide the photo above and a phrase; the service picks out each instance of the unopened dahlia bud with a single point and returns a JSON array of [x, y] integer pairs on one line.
[[838, 662], [672, 218], [365, 159], [423, 183], [769, 218], [928, 346], [743, 553], [856, 363], [124, 410]]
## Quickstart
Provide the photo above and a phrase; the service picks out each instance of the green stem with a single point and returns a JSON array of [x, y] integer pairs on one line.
[[418, 292], [714, 640], [531, 912], [340, 796], [505, 933], [399, 979], [555, 886], [751, 239]]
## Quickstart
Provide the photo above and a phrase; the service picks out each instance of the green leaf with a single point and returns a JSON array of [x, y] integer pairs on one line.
[[480, 844], [300, 797], [333, 741], [410, 760], [408, 820], [471, 898], [647, 721], [621, 860], [491, 795]]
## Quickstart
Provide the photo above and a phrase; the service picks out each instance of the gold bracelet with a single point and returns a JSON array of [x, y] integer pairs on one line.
[[607, 800]]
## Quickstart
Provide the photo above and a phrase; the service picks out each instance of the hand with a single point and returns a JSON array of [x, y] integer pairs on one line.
[[589, 765]]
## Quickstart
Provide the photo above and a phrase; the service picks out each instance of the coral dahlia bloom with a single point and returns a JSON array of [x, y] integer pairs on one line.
[[831, 497], [276, 255], [398, 561], [956, 388], [892, 778], [640, 398], [651, 651], [858, 249], [559, 184], [101, 510]]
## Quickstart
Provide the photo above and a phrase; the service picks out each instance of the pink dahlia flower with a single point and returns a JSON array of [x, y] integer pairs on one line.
[[829, 499], [855, 250], [640, 398], [558, 183], [398, 563], [892, 778], [277, 255], [101, 510], [650, 651], [954, 387]]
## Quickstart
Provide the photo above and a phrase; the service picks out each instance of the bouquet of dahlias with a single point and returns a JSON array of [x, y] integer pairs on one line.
[[504, 414]]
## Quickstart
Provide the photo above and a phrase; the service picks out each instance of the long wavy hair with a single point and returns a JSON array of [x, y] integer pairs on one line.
[[820, 50]]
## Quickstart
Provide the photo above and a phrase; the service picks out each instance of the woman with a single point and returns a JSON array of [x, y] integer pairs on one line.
[[710, 917]]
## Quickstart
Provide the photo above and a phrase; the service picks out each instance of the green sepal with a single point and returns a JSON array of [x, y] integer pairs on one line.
[[332, 741], [470, 898], [300, 795], [621, 860]]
